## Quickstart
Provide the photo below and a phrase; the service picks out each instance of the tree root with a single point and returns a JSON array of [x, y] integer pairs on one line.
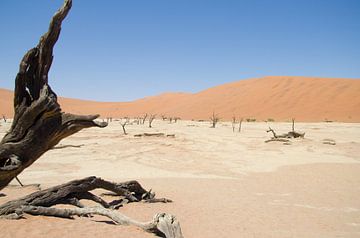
[[41, 202]]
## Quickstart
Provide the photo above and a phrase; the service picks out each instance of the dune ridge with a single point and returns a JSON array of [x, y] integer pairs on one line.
[[274, 97]]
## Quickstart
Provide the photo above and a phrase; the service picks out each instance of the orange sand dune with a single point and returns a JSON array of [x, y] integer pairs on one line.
[[279, 98]]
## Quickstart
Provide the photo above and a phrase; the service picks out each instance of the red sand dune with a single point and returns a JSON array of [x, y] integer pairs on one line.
[[279, 98]]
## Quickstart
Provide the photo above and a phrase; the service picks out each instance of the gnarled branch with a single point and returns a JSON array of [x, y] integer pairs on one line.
[[39, 124], [41, 202]]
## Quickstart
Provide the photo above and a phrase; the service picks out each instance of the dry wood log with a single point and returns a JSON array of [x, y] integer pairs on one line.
[[66, 193], [289, 135], [278, 140], [154, 135], [150, 134], [41, 202]]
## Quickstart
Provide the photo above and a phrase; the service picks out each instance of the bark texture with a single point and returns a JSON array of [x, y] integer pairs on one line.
[[41, 202], [39, 124]]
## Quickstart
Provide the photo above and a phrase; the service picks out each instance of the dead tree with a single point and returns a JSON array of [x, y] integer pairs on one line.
[[284, 137], [4, 118], [38, 125], [293, 125], [240, 122], [151, 119], [124, 123], [176, 119], [233, 123], [163, 117], [144, 119], [137, 120], [214, 119]]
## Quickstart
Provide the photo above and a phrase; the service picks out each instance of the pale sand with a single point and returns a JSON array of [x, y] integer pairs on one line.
[[281, 98], [223, 184]]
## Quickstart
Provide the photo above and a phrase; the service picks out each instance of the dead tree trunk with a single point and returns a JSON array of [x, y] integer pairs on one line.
[[241, 120], [214, 119], [39, 124], [151, 119], [233, 123], [144, 118], [4, 118], [123, 124]]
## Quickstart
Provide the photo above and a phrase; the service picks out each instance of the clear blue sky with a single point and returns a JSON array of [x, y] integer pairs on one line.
[[119, 50]]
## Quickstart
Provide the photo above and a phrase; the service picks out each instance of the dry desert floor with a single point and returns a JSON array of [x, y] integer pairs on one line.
[[223, 184]]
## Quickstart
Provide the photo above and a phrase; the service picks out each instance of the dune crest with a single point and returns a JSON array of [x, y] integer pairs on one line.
[[276, 97]]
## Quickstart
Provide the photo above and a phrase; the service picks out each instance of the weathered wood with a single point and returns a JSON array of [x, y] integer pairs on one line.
[[154, 135], [39, 124], [240, 122], [18, 180], [123, 124], [132, 191], [151, 119], [41, 202], [278, 140], [233, 122], [284, 137], [214, 119], [163, 224]]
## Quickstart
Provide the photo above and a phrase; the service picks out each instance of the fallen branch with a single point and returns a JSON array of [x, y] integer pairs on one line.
[[154, 135], [289, 135], [67, 146], [278, 140], [163, 224], [41, 202]]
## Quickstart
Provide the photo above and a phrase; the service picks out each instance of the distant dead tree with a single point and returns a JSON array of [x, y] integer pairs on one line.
[[176, 119], [240, 122], [286, 136], [137, 120], [4, 117], [233, 123], [170, 119], [144, 119], [214, 120], [163, 117], [124, 123], [151, 119], [293, 124]]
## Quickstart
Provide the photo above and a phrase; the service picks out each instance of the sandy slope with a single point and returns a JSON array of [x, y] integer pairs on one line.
[[224, 184], [279, 98]]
